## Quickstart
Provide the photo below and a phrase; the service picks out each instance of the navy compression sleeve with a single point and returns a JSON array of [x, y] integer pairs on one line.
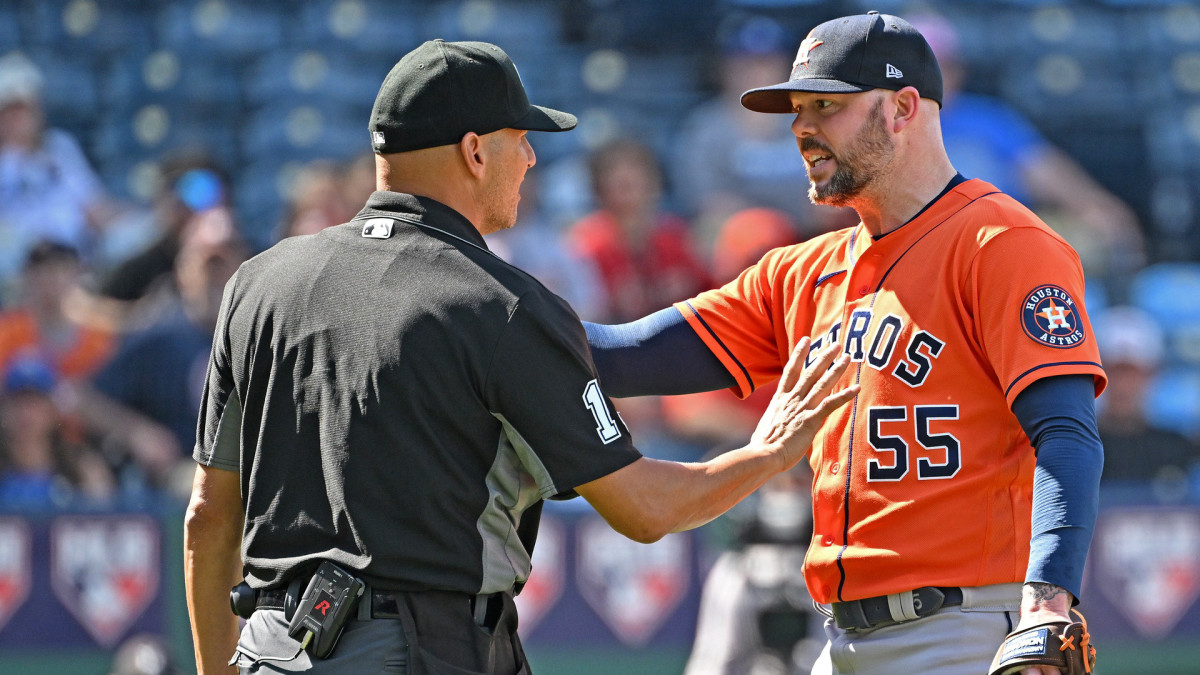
[[656, 355], [1059, 416]]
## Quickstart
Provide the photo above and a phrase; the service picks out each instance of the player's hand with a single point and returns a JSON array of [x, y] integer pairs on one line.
[[802, 401], [1043, 603]]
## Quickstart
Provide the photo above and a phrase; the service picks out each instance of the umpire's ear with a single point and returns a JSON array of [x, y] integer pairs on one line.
[[473, 149]]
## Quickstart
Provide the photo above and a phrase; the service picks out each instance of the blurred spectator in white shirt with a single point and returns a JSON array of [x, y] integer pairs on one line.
[[48, 190], [1132, 347]]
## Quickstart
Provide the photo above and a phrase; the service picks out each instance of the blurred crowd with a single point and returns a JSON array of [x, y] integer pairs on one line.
[[107, 307]]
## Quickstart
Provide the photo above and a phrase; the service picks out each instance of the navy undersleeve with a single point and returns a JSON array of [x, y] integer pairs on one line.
[[657, 355], [1059, 416]]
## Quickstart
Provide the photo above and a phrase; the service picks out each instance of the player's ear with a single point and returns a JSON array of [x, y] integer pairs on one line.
[[473, 149], [906, 102]]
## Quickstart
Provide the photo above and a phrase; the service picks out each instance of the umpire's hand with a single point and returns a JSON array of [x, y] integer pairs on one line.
[[802, 402], [649, 498]]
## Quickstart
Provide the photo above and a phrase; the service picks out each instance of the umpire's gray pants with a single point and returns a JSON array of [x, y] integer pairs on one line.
[[957, 640], [375, 646], [435, 634]]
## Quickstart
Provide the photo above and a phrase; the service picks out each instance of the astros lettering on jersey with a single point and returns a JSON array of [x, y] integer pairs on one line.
[[925, 479]]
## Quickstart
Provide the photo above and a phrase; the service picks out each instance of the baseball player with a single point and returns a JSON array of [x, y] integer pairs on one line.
[[954, 499]]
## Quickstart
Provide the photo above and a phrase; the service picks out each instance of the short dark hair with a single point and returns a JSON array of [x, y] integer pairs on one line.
[[618, 150], [46, 251]]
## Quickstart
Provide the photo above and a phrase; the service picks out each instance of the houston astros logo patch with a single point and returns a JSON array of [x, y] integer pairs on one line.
[[1049, 316]]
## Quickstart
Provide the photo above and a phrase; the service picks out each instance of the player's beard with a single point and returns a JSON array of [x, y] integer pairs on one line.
[[858, 166]]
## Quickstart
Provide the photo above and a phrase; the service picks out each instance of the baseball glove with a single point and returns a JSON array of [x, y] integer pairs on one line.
[[1059, 644]]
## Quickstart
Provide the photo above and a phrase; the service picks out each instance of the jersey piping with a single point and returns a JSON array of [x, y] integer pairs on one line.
[[1047, 365], [728, 352], [826, 277]]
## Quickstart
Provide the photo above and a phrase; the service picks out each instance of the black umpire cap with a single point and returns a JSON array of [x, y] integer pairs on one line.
[[853, 54], [441, 90]]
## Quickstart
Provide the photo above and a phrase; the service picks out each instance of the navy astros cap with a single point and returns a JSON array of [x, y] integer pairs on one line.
[[852, 54], [441, 90]]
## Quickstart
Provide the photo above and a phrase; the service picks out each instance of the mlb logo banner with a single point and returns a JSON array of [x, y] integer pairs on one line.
[[545, 585], [16, 565], [1146, 561], [105, 570], [634, 588]]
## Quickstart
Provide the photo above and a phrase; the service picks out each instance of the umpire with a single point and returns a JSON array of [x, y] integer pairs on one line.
[[388, 403]]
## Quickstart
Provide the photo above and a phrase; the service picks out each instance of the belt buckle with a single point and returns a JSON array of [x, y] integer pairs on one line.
[[887, 609], [927, 600]]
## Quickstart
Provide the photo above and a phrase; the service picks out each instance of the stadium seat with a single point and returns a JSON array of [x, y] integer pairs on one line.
[[504, 23], [153, 130], [1173, 401], [639, 26], [86, 26], [1085, 31], [388, 29], [173, 79], [314, 76], [1061, 85], [204, 27], [301, 132], [1173, 147], [70, 90], [1170, 292], [10, 29]]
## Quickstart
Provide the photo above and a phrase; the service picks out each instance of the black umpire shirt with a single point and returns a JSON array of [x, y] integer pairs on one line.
[[396, 398]]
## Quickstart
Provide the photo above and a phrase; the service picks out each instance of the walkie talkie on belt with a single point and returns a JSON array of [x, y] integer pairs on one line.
[[326, 605]]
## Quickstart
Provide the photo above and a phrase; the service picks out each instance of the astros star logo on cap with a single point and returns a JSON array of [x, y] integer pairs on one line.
[[807, 46]]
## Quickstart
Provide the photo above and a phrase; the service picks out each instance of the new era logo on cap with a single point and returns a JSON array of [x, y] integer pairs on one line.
[[377, 138], [893, 71]]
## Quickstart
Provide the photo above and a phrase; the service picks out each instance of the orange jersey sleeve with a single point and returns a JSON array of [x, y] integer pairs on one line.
[[1026, 290]]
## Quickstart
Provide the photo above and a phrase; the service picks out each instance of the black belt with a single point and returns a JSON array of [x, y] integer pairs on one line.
[[384, 604], [877, 611]]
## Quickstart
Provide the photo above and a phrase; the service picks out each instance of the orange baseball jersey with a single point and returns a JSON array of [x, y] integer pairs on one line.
[[926, 477]]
